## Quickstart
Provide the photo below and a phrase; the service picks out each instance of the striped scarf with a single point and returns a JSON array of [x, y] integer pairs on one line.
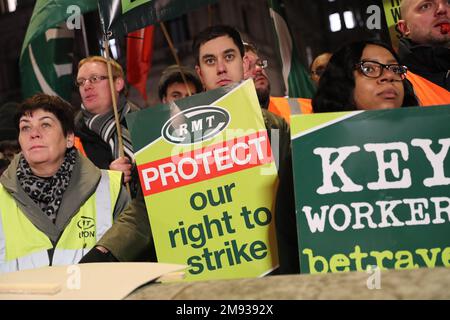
[[105, 126]]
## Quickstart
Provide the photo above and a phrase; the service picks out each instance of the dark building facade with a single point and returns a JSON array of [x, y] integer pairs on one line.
[[309, 22]]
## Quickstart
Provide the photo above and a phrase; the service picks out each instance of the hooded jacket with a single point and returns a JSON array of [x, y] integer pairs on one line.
[[429, 62]]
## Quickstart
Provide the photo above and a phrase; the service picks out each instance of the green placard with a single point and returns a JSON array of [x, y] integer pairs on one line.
[[128, 5], [208, 178], [121, 17], [372, 188]]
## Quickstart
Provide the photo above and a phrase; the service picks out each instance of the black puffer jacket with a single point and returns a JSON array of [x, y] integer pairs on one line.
[[432, 63], [97, 150]]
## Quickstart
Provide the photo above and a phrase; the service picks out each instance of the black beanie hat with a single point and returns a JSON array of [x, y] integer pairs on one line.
[[172, 74]]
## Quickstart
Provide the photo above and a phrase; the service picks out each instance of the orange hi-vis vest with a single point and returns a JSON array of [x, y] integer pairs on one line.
[[284, 107], [428, 93], [79, 146]]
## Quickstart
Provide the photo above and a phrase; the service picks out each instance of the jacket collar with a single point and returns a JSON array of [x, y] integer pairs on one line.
[[422, 57], [84, 181]]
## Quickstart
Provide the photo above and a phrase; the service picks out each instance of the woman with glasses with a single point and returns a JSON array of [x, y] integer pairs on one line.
[[363, 75]]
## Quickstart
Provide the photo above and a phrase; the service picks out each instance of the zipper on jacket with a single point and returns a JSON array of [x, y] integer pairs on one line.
[[51, 253]]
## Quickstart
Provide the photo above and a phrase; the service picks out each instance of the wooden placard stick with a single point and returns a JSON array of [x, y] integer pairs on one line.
[[174, 53], [114, 102]]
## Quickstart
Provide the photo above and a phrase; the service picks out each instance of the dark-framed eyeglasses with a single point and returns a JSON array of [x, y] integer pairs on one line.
[[263, 64], [93, 79], [374, 69]]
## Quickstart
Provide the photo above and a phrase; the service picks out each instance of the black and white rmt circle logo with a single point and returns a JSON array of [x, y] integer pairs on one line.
[[197, 124]]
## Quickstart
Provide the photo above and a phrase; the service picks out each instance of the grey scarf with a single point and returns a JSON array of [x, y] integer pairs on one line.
[[104, 125]]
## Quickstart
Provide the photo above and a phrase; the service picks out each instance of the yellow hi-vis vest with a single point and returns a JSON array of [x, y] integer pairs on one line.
[[24, 246]]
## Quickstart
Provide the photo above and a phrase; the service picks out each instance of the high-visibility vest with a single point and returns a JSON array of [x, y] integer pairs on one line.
[[284, 107], [79, 146], [24, 246], [428, 93]]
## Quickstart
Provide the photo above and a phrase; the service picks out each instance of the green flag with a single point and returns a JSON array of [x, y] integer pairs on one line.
[[296, 78], [120, 17], [46, 60]]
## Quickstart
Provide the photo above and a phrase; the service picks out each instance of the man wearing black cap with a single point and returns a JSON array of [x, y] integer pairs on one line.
[[171, 86]]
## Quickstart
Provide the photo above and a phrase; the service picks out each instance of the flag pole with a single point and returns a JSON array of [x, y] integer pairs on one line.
[[83, 30], [174, 53], [114, 102]]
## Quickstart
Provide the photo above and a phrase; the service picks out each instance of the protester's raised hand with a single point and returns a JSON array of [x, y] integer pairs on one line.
[[122, 164]]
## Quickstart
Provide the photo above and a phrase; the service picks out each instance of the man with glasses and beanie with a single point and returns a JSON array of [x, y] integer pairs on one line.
[[95, 126], [255, 67]]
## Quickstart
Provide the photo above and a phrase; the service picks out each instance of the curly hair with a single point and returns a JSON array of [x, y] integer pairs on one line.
[[337, 84]]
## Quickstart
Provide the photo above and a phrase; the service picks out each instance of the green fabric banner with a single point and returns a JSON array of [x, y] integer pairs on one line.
[[50, 13], [120, 17], [371, 189], [46, 65], [296, 78], [46, 57], [209, 180]]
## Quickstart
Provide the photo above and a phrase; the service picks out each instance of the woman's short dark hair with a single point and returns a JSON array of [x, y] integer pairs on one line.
[[336, 86], [62, 110], [213, 32]]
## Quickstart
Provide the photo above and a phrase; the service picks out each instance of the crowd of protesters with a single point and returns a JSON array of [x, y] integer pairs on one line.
[[59, 167]]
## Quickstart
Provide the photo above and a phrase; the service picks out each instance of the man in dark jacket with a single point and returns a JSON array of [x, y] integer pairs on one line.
[[95, 124], [219, 56], [425, 46], [218, 52]]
